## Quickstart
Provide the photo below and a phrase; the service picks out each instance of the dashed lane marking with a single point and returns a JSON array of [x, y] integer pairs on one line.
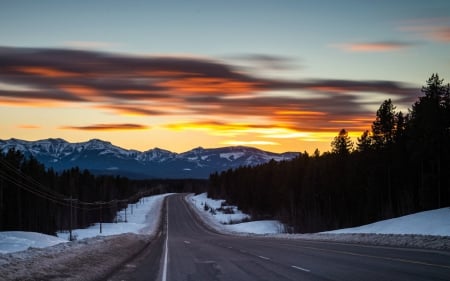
[[300, 268], [264, 258]]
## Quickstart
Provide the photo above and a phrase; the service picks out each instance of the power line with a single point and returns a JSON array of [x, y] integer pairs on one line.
[[29, 184]]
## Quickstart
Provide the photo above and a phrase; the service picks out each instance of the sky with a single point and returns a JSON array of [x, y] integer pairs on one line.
[[277, 75]]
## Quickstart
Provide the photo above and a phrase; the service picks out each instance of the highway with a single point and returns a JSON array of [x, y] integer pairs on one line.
[[187, 250]]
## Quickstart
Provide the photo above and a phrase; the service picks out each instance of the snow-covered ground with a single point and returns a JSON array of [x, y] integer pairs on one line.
[[430, 229], [15, 241], [232, 220], [35, 256], [434, 222], [93, 255], [141, 221]]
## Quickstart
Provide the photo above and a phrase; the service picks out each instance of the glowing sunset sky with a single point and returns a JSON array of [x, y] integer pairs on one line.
[[277, 75]]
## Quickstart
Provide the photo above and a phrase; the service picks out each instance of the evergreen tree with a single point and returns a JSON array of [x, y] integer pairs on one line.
[[428, 140], [383, 128], [342, 143], [365, 142]]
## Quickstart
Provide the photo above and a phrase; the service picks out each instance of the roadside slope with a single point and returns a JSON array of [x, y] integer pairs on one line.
[[88, 259]]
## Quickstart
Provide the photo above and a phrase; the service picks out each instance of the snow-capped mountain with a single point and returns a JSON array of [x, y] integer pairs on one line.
[[105, 158]]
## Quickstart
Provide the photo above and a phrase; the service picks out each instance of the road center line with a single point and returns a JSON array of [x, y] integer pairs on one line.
[[300, 268]]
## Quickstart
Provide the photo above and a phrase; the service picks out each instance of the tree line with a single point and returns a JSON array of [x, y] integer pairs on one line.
[[399, 166], [34, 198]]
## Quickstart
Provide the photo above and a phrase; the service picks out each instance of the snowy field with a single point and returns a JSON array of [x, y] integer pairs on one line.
[[430, 229], [35, 256], [230, 219], [434, 222], [142, 221]]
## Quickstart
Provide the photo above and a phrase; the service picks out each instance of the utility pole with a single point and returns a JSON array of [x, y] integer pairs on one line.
[[126, 213], [71, 216], [101, 215]]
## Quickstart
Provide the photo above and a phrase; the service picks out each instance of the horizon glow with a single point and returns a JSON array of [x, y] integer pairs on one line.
[[277, 76]]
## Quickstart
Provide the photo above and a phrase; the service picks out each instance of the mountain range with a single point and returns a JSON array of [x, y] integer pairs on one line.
[[102, 157]]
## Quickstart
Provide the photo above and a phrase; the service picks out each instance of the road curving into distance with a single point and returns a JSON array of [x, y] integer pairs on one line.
[[187, 250]]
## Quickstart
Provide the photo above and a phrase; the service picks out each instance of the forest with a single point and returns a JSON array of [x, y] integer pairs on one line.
[[34, 198], [399, 166]]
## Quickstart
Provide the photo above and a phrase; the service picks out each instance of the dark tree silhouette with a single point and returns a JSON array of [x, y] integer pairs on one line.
[[399, 167]]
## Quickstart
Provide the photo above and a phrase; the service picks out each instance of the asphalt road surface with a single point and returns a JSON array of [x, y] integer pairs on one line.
[[187, 250]]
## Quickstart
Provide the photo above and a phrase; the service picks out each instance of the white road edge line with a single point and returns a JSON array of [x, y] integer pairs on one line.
[[300, 268], [166, 248], [264, 258]]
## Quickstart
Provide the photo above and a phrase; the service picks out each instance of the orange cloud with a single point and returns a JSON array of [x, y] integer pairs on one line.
[[248, 143], [45, 71], [79, 90], [374, 46], [208, 85], [300, 112], [190, 88], [434, 29], [19, 102], [132, 110], [107, 127]]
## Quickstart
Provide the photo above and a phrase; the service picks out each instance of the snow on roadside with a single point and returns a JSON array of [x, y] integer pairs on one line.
[[230, 221], [85, 259], [421, 230], [15, 241], [434, 222], [141, 221]]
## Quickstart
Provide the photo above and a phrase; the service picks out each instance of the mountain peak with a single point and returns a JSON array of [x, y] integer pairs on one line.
[[102, 157]]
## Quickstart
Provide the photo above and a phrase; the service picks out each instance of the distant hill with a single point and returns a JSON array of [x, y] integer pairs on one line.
[[101, 157]]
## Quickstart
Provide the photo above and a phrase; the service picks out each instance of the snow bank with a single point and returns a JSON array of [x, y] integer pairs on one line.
[[141, 221], [85, 259], [225, 221], [257, 227], [430, 230], [15, 241], [434, 222]]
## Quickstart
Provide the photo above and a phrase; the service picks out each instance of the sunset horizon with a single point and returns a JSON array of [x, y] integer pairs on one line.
[[264, 75]]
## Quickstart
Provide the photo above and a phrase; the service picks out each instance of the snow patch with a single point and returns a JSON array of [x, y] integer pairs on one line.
[[229, 219], [232, 155], [142, 220], [434, 222], [15, 241]]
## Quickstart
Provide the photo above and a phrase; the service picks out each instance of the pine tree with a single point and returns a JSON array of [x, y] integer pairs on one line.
[[383, 128], [365, 142], [342, 143]]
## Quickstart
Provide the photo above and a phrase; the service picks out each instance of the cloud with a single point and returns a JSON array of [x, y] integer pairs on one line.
[[191, 88], [107, 127], [89, 44], [249, 143], [371, 47], [431, 29], [265, 61]]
